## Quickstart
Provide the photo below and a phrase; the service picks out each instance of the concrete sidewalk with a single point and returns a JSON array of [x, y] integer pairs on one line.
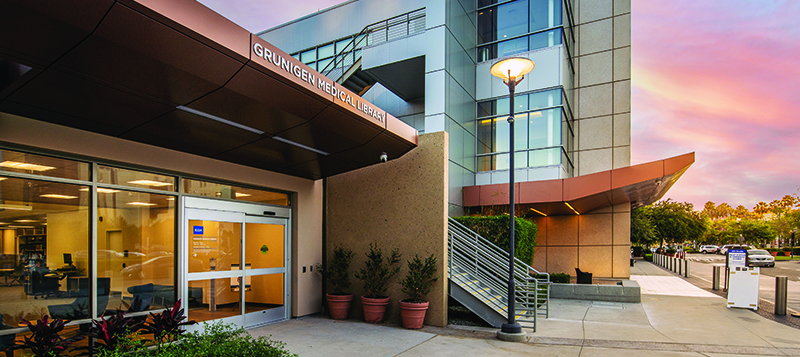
[[661, 325]]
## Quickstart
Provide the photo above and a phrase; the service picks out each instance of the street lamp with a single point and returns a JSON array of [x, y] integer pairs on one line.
[[512, 71]]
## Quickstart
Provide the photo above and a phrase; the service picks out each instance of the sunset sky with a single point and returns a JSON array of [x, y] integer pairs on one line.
[[714, 77]]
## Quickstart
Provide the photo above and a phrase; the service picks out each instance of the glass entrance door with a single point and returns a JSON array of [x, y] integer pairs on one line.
[[235, 263]]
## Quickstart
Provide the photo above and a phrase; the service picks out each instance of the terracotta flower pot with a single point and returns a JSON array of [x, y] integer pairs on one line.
[[774, 254], [339, 305], [413, 314], [374, 309]]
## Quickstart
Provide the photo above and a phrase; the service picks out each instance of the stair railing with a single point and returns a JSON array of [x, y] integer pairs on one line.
[[488, 263], [408, 24]]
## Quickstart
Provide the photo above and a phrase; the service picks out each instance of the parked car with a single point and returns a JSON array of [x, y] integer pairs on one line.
[[709, 249], [760, 258], [725, 248]]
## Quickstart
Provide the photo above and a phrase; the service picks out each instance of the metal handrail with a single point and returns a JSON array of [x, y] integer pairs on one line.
[[487, 264], [407, 24]]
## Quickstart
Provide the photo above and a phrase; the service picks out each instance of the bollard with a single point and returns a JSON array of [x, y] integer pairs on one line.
[[715, 278], [686, 269], [781, 284], [678, 266]]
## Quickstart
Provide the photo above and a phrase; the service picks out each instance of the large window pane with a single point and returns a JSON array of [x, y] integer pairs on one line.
[[213, 299], [512, 47], [545, 39], [487, 25], [221, 190], [309, 56], [264, 245], [326, 51], [545, 14], [44, 240], [135, 250], [545, 157], [265, 292], [14, 161], [512, 19], [131, 178], [485, 136], [544, 99], [520, 104]]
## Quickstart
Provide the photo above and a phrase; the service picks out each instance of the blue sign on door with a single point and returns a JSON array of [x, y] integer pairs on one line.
[[197, 229]]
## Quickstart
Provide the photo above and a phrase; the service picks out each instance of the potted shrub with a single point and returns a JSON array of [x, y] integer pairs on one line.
[[787, 251], [417, 284], [375, 275], [338, 275]]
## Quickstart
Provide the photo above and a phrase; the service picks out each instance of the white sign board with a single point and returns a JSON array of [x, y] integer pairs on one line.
[[737, 258], [743, 287]]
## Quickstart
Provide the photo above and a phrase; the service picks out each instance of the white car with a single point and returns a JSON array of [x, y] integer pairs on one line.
[[725, 248], [760, 258], [709, 249]]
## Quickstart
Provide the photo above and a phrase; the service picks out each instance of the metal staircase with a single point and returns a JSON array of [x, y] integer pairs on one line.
[[478, 279], [345, 67]]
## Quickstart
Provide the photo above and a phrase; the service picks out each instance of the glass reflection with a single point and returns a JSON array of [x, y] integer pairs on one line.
[[214, 246], [221, 190], [213, 299], [265, 292]]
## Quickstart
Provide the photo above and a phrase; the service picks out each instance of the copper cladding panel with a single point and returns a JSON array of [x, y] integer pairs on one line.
[[471, 196], [260, 101], [586, 185], [332, 131], [541, 191], [198, 22], [137, 52], [632, 174], [678, 163], [43, 30], [398, 128]]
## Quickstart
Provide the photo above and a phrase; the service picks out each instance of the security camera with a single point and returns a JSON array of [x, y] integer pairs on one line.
[[384, 157]]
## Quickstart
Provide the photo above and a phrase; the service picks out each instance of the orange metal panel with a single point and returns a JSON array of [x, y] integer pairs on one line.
[[540, 191], [678, 163], [638, 173], [471, 196], [586, 185]]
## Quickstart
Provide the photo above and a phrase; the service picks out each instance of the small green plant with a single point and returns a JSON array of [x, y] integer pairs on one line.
[[378, 270], [419, 278], [338, 271], [648, 257], [559, 278]]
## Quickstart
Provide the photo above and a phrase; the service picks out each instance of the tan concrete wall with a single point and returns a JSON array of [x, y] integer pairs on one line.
[[399, 204], [603, 85], [307, 222], [597, 242]]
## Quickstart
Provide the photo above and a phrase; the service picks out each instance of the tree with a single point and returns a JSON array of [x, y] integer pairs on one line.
[[643, 232], [677, 222]]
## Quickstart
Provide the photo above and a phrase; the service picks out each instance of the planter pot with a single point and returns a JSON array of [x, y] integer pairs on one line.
[[374, 309], [413, 314], [774, 254], [339, 305], [787, 254]]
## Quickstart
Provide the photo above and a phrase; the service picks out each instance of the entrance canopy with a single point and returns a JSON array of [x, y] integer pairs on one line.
[[175, 74], [639, 185]]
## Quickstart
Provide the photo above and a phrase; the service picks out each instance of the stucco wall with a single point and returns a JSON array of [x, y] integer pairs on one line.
[[597, 242], [398, 204]]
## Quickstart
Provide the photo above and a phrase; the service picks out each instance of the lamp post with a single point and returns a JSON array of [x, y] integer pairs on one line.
[[512, 71]]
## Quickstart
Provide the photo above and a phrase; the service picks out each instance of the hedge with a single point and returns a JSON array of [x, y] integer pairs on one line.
[[495, 229], [648, 257]]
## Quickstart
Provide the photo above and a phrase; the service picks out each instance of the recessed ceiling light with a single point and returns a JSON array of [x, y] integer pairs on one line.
[[25, 220], [2, 178], [5, 223], [25, 166], [170, 198], [15, 207], [141, 204], [242, 194], [100, 190], [21, 227], [63, 197], [150, 183]]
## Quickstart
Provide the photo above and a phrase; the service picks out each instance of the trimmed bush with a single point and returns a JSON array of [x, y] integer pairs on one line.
[[560, 278], [787, 249], [648, 257], [638, 251], [495, 229], [671, 251], [689, 250]]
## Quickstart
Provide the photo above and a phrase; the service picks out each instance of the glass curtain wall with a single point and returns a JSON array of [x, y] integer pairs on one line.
[[543, 133], [506, 28]]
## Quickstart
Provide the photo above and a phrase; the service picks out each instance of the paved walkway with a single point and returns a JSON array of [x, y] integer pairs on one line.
[[661, 325]]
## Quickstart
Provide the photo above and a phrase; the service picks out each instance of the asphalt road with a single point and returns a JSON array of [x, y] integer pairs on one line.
[[701, 265]]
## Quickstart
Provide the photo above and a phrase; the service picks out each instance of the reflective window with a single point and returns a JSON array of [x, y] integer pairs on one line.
[[544, 14], [309, 56], [220, 190], [215, 246], [32, 164], [44, 240], [539, 124], [138, 179], [519, 26], [326, 51], [135, 250]]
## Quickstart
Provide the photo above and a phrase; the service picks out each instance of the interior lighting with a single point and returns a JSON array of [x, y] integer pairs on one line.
[[53, 195], [573, 209], [141, 204], [300, 145], [2, 178], [25, 166], [243, 194], [538, 212], [15, 207], [100, 190], [21, 227], [25, 221], [218, 119], [150, 183]]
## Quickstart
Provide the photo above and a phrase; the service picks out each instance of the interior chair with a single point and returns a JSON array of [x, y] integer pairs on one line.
[[18, 275], [79, 308], [583, 277]]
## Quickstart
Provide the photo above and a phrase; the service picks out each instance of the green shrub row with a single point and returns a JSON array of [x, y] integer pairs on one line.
[[560, 278], [495, 229], [648, 257]]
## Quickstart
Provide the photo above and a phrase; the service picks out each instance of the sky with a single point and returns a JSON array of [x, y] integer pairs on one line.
[[720, 78]]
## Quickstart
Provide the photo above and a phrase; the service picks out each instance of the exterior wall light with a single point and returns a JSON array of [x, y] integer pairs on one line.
[[512, 71]]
